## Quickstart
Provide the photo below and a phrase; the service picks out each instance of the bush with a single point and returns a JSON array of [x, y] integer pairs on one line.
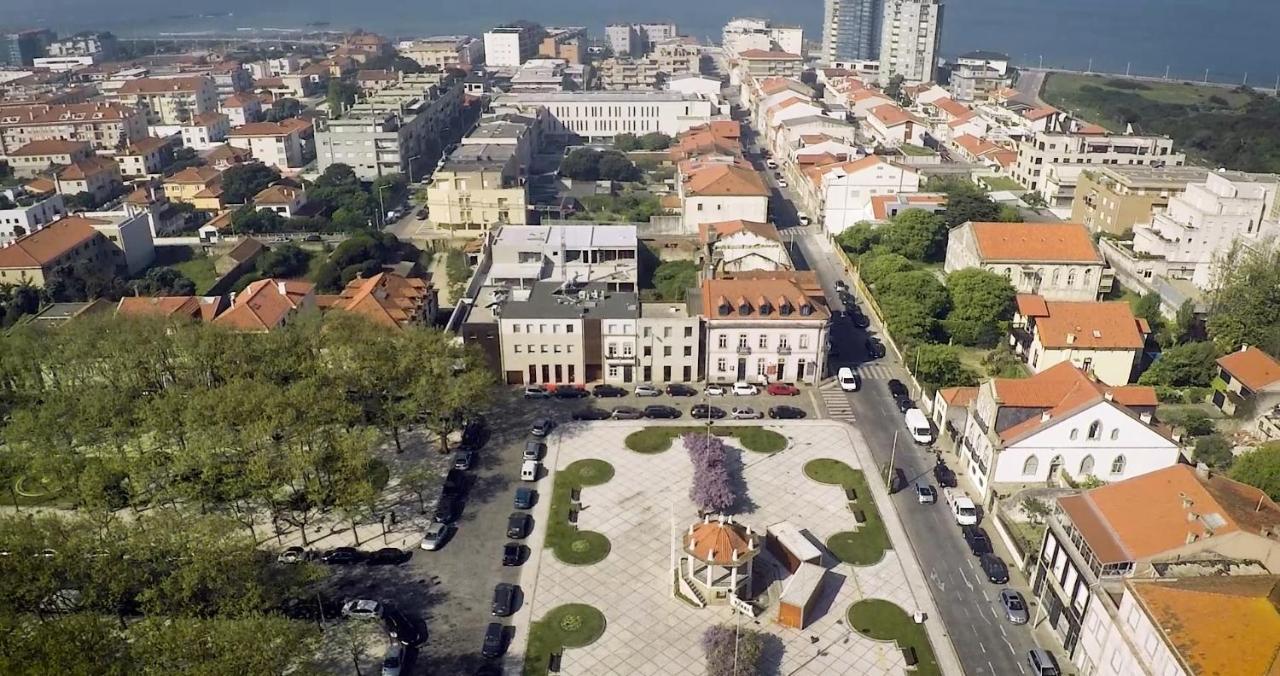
[[1214, 450], [876, 265], [1186, 365], [858, 239], [673, 279]]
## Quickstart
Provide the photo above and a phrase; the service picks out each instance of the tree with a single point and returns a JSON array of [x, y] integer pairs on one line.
[[655, 140], [916, 234], [1214, 450], [1189, 365], [859, 238], [340, 96], [282, 109], [1260, 468], [894, 88], [241, 182], [286, 260], [1186, 325], [982, 302], [163, 282], [615, 166], [81, 201], [583, 164], [1147, 306], [711, 490], [733, 651], [964, 206], [626, 142], [920, 287], [875, 266], [673, 279], [458, 271], [940, 366], [250, 220], [1244, 305]]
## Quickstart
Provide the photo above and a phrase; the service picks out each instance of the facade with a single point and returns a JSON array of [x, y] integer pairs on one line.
[[1114, 198], [445, 51], [652, 71], [241, 109], [205, 131], [765, 327], [1058, 261], [1250, 386], [105, 126], [910, 33], [764, 64], [1070, 152], [190, 184], [130, 233], [68, 241], [38, 157], [284, 145], [624, 40], [892, 126], [742, 34], [142, 158], [844, 192], [603, 115], [563, 43], [742, 246], [716, 192], [21, 48], [977, 76], [97, 176], [103, 45], [22, 213], [286, 201], [509, 46], [479, 186], [169, 101], [851, 30], [557, 334], [670, 343], [1060, 422], [1104, 339]]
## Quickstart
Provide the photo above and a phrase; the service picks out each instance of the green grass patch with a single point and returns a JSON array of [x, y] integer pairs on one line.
[[915, 150], [29, 492], [199, 270], [867, 545], [1002, 183], [751, 437], [572, 625], [573, 546], [883, 621]]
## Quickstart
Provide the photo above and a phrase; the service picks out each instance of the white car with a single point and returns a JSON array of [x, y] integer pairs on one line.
[[745, 413], [804, 220], [647, 391], [745, 389], [714, 390], [782, 183], [434, 538], [363, 609], [771, 164], [848, 379]]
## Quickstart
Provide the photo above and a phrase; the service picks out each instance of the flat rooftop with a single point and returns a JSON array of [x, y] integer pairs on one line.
[[472, 155], [665, 311], [498, 130], [1155, 176], [552, 300], [584, 236], [594, 97]]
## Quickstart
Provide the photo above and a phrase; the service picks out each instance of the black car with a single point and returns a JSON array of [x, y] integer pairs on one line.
[[860, 320], [705, 412], [977, 540], [518, 525], [455, 482], [678, 390], [897, 390], [400, 627], [504, 600], [570, 392], [448, 508], [944, 476], [512, 553], [995, 569], [841, 286], [493, 640], [874, 348], [608, 391], [388, 556], [591, 413], [341, 556], [786, 413], [473, 434], [904, 404], [658, 411], [525, 497]]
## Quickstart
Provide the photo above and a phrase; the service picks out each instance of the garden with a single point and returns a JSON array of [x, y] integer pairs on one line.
[[866, 545], [573, 625], [571, 545], [883, 621], [753, 438]]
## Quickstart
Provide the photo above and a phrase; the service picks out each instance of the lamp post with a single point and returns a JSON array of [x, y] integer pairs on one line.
[[382, 207], [411, 159]]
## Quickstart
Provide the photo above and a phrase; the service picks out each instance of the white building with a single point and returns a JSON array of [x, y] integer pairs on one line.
[[909, 36], [718, 191], [670, 337], [1102, 338], [581, 254], [603, 115], [742, 34], [842, 192], [285, 200], [59, 64], [508, 47], [1056, 260], [1033, 431], [1069, 152], [742, 246], [22, 213], [206, 131], [284, 145], [892, 126], [765, 327], [169, 101], [241, 108], [444, 51]]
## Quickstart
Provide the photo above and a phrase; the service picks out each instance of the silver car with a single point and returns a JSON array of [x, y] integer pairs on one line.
[[648, 391], [393, 661], [435, 536], [745, 413], [1015, 608]]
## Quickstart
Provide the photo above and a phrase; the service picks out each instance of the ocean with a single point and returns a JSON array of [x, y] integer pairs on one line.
[[1228, 37]]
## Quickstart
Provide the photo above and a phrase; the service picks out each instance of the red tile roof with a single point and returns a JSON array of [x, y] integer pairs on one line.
[[891, 115], [89, 166], [265, 304], [725, 180], [1085, 325], [53, 146], [951, 107], [1254, 368], [770, 296], [386, 298], [185, 307], [154, 85], [1061, 390], [49, 243], [1048, 242], [710, 232]]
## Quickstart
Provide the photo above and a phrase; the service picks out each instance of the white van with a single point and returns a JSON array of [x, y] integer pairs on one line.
[[962, 508], [529, 470], [848, 379], [918, 426]]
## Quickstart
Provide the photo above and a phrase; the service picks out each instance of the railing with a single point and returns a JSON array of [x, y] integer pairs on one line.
[[744, 350]]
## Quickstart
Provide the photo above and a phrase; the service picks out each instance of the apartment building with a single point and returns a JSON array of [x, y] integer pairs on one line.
[[480, 185], [1058, 261], [22, 213], [1060, 422], [97, 176], [604, 114], [745, 33], [241, 108], [445, 51], [1112, 557], [206, 131], [1101, 338], [977, 76], [1050, 162], [105, 126], [760, 64], [653, 71], [286, 145], [717, 191], [1114, 198], [30, 259], [39, 157], [510, 46], [910, 33], [550, 75], [670, 342], [851, 30], [143, 158], [571, 254], [843, 192], [169, 101], [564, 43], [730, 247], [102, 45], [765, 327], [22, 47]]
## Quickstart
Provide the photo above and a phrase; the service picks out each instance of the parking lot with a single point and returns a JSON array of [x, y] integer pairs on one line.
[[564, 409]]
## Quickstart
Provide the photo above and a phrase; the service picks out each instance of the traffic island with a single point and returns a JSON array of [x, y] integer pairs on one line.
[[751, 437], [867, 545], [571, 545], [573, 625], [881, 620]]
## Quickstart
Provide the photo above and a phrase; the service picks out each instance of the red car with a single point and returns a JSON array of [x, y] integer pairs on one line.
[[782, 389]]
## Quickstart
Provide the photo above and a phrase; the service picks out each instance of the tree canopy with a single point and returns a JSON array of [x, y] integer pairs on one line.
[[1189, 365], [589, 164], [982, 303], [916, 234], [673, 279], [940, 366], [1244, 305], [1260, 468], [242, 181]]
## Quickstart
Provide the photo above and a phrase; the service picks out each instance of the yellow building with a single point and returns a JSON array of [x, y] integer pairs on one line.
[[200, 187], [1114, 198]]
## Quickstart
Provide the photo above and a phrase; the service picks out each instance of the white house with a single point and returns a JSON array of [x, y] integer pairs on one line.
[[205, 131], [893, 126], [670, 342], [1103, 338], [241, 108], [282, 144], [765, 327], [605, 114], [843, 192], [742, 246], [1058, 261], [715, 192], [1031, 431], [285, 200], [22, 213]]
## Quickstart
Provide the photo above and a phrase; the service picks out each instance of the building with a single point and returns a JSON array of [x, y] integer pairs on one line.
[[130, 232], [743, 34], [670, 342], [171, 100], [241, 108], [101, 45], [762, 64], [143, 158], [1102, 338], [1058, 261], [185, 308], [226, 156], [286, 145], [892, 126], [742, 246], [510, 46], [97, 176], [976, 76], [285, 200], [1172, 527], [910, 33], [38, 157], [445, 51], [22, 213], [652, 71], [851, 30], [480, 185], [1068, 153], [603, 114], [21, 48], [63, 64], [717, 191], [205, 131], [68, 241], [1114, 198], [105, 126], [267, 304], [844, 192], [549, 75], [568, 254], [765, 327], [192, 183], [389, 299], [1060, 423], [1250, 383], [564, 43], [638, 39]]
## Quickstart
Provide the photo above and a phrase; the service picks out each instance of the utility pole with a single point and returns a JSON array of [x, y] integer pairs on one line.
[[1166, 72], [1126, 68], [1206, 76], [1245, 83], [1090, 68], [892, 454], [1042, 62]]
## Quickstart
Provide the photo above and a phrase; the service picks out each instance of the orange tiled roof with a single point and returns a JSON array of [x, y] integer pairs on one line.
[[386, 298], [265, 304], [891, 115], [1039, 113], [770, 296], [725, 180], [951, 107], [154, 85], [201, 175], [769, 55], [239, 100], [1060, 391], [49, 243], [145, 145], [186, 307], [1049, 242], [53, 146], [1088, 326], [89, 166], [710, 232], [880, 203], [1032, 305], [207, 119], [815, 174], [41, 185], [281, 128], [1254, 368], [958, 396], [278, 194], [716, 542], [43, 114]]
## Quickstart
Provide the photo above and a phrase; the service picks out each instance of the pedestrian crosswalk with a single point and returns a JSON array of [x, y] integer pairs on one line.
[[836, 402], [875, 371]]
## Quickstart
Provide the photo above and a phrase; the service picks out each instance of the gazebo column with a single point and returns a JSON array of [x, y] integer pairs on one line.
[[733, 581], [709, 567]]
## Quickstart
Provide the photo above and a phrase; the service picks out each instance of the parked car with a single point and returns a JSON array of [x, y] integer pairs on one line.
[[542, 427], [804, 220], [293, 554], [341, 556], [849, 381], [874, 348], [570, 392], [714, 390], [977, 539], [435, 536], [400, 626], [536, 392], [842, 286], [448, 508], [493, 641], [1043, 663], [525, 497], [590, 413], [387, 556], [393, 660], [504, 600], [362, 609], [627, 413], [1015, 608], [925, 494], [647, 390], [661, 412], [782, 183], [897, 390], [745, 413], [786, 413], [995, 569], [782, 389], [608, 391], [473, 434], [512, 554], [944, 476], [706, 412], [529, 470], [533, 450], [455, 481], [518, 525], [897, 480], [422, 214], [742, 389], [904, 404], [463, 458], [679, 390]]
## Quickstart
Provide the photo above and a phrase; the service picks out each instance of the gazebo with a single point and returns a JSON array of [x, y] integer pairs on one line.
[[720, 553]]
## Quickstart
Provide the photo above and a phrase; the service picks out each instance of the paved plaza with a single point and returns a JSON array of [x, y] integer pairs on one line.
[[644, 510]]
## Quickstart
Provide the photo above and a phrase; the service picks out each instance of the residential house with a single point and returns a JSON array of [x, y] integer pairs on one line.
[[286, 145], [982, 151], [1058, 261], [976, 76], [198, 186], [285, 200], [169, 101], [1250, 385], [670, 342], [843, 192], [1114, 198], [389, 299], [202, 309], [205, 131], [717, 192], [1060, 423], [226, 156], [130, 231], [765, 327], [892, 126], [68, 241], [96, 176], [143, 158], [38, 157], [885, 207], [1102, 338], [741, 246], [23, 212], [105, 126], [241, 108], [241, 258], [267, 304]]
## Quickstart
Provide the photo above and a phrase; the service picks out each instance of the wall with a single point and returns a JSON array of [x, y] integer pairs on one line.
[[1112, 367], [713, 209]]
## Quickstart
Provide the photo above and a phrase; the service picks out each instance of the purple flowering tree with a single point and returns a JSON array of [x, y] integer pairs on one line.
[[720, 644], [712, 491]]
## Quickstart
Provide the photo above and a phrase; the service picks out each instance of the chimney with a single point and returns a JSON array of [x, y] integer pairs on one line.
[[1109, 395], [1145, 417], [280, 286], [1045, 417], [1202, 471], [1071, 339]]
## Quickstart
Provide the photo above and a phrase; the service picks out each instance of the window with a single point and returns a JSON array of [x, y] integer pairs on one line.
[[1095, 430], [645, 332], [688, 351], [1086, 466], [804, 342], [626, 350], [783, 342], [1071, 277], [764, 341], [1115, 433], [688, 332], [555, 349], [648, 351], [516, 348], [613, 371], [723, 342], [543, 349], [1074, 434], [742, 340], [722, 365], [515, 328], [666, 351], [1030, 466], [568, 328], [1117, 465], [666, 332], [761, 367]]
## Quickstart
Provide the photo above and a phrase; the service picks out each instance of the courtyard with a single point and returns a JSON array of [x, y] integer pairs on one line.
[[643, 510]]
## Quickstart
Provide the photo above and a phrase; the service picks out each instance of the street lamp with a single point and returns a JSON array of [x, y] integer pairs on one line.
[[382, 207], [411, 159]]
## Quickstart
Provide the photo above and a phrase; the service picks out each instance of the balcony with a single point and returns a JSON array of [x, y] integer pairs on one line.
[[744, 350], [784, 349]]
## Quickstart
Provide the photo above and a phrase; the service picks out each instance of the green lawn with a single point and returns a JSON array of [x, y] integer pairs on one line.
[[918, 151], [573, 546], [752, 438], [1002, 183], [868, 544], [199, 270], [1063, 90], [883, 621], [569, 626]]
